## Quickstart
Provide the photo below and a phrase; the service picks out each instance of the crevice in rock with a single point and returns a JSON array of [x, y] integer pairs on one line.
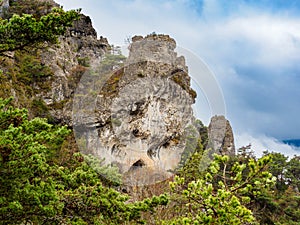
[[139, 163]]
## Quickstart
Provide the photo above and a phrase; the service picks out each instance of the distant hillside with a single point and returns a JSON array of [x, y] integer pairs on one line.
[[293, 142]]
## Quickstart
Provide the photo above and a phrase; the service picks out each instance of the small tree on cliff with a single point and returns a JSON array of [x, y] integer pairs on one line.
[[21, 32]]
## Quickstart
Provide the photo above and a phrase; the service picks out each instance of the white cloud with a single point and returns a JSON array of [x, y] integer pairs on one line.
[[260, 143], [258, 40]]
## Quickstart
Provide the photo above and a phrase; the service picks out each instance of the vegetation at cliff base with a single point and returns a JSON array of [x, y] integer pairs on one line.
[[35, 189]]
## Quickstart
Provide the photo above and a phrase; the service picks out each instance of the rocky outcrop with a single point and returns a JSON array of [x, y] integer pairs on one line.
[[69, 60], [65, 63], [220, 136], [141, 112]]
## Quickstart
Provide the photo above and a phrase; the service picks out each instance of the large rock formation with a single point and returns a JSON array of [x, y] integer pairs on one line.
[[134, 113], [138, 118], [51, 96], [220, 136]]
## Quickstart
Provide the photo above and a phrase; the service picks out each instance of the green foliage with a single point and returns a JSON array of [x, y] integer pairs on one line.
[[110, 174], [195, 158], [31, 69], [40, 108], [203, 131], [282, 204], [221, 196], [293, 172], [86, 199], [83, 61], [20, 32], [277, 168], [111, 62], [286, 171], [288, 211], [26, 76], [192, 145], [279, 204], [34, 189], [27, 190]]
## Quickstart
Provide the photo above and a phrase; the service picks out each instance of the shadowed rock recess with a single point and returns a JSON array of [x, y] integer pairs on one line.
[[139, 114]]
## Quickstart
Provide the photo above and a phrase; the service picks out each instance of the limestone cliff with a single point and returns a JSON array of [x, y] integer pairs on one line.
[[140, 112]]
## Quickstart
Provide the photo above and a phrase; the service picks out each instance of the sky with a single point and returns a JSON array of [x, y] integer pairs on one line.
[[252, 48]]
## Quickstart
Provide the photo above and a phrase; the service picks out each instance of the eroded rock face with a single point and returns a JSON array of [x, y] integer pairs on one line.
[[69, 60], [220, 135], [140, 124]]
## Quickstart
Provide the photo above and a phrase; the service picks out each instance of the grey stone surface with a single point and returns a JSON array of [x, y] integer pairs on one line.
[[220, 135], [78, 48]]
